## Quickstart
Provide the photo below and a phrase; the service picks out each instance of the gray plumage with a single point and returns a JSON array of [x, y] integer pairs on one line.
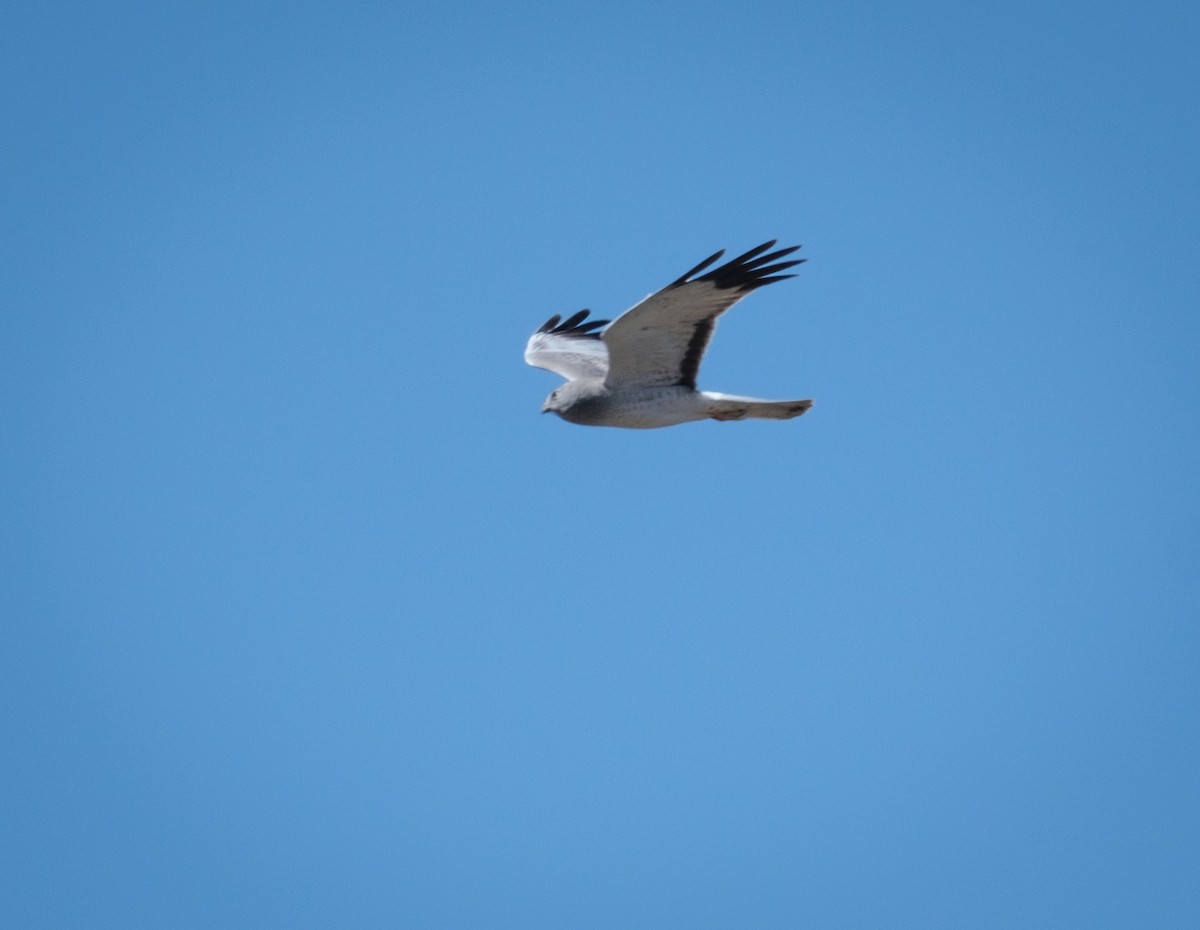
[[641, 371]]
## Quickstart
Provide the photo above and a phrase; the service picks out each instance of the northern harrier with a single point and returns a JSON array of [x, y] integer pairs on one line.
[[641, 371]]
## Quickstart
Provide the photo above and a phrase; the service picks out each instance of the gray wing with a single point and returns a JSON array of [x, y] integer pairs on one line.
[[569, 347], [661, 340]]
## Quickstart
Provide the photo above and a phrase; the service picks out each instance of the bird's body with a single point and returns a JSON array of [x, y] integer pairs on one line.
[[649, 408], [595, 404], [640, 373]]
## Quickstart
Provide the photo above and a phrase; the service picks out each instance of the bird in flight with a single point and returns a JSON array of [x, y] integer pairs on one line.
[[640, 372]]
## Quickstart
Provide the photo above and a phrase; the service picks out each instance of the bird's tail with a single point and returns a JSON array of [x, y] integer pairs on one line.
[[731, 407]]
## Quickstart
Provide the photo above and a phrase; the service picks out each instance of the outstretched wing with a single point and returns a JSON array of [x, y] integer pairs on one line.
[[661, 340], [569, 347]]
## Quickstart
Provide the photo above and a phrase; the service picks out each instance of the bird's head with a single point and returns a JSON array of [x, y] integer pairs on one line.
[[568, 398], [557, 402]]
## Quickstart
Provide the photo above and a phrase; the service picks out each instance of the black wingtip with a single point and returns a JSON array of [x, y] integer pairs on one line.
[[574, 326], [746, 272], [686, 276], [572, 321]]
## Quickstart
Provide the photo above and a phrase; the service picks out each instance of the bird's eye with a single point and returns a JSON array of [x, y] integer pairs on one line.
[[554, 395]]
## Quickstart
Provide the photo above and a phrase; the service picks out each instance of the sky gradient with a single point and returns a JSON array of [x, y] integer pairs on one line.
[[311, 619]]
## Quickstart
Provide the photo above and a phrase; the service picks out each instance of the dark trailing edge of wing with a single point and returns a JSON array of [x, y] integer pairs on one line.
[[744, 273], [573, 326], [690, 366]]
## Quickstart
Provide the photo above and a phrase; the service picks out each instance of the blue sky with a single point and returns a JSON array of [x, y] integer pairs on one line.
[[312, 619]]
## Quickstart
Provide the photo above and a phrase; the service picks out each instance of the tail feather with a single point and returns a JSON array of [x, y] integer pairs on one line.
[[731, 407]]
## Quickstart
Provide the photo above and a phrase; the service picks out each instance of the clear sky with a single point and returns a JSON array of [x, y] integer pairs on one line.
[[310, 619]]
